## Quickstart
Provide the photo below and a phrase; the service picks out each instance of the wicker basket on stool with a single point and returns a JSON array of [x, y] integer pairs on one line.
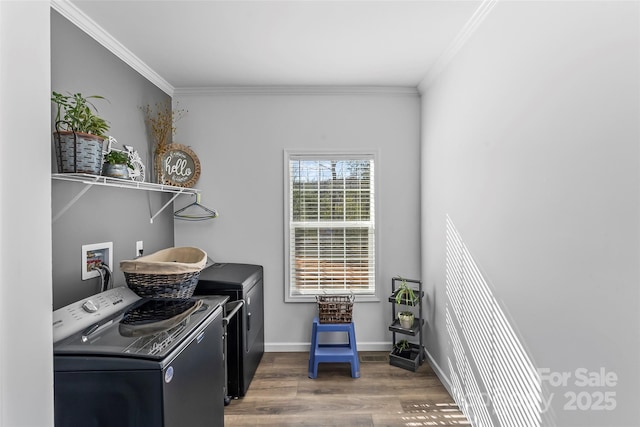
[[169, 273], [335, 308]]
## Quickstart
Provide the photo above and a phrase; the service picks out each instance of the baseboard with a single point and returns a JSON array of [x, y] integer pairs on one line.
[[280, 347], [444, 379]]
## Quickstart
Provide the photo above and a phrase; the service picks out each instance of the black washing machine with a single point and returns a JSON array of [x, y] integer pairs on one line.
[[245, 331], [125, 361]]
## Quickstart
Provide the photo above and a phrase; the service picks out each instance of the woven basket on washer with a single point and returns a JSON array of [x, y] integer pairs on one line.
[[169, 273], [335, 308]]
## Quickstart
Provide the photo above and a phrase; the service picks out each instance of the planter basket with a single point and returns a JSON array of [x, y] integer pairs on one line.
[[78, 152], [410, 363], [335, 308], [169, 273]]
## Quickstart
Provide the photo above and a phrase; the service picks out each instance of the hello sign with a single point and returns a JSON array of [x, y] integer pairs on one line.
[[179, 166]]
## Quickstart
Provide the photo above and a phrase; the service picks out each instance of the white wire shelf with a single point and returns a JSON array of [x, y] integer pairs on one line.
[[91, 180]]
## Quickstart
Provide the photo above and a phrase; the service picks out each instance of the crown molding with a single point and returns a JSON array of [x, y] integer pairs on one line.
[[458, 42], [298, 90], [89, 26]]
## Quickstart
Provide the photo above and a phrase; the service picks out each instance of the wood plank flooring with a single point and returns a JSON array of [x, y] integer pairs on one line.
[[281, 394]]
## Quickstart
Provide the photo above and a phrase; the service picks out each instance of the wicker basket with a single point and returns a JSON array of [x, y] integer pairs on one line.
[[169, 273], [335, 308]]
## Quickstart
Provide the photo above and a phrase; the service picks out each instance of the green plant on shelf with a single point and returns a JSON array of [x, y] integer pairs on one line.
[[405, 294], [402, 348], [76, 113], [118, 158]]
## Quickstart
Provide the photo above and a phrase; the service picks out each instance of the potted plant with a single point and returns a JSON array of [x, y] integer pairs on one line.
[[116, 164], [402, 349], [405, 355], [406, 319], [406, 295], [79, 134]]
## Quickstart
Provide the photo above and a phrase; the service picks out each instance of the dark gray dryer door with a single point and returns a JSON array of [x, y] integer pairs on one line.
[[254, 332]]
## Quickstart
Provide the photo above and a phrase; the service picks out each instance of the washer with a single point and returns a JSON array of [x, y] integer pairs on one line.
[[121, 360]]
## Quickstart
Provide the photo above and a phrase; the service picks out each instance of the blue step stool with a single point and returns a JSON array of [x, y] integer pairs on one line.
[[333, 353]]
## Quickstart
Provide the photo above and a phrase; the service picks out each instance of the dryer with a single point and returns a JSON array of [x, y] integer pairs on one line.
[[245, 331]]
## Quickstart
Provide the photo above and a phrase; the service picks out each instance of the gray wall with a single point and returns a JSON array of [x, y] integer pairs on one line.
[[240, 139], [121, 216], [530, 145]]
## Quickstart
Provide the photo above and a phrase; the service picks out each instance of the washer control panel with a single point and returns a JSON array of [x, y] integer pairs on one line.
[[88, 312]]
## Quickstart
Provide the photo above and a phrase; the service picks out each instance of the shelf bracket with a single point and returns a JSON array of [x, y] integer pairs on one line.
[[91, 180], [165, 206], [77, 197]]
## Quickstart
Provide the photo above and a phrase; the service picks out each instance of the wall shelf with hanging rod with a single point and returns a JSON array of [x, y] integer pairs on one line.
[[91, 180]]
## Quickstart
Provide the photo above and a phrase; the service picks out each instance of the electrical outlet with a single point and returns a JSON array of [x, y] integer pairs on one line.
[[94, 255], [139, 248]]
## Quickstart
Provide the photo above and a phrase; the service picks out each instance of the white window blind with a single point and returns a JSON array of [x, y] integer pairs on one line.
[[331, 224]]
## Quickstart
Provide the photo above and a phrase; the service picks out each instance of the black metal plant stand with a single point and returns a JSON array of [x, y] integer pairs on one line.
[[417, 353]]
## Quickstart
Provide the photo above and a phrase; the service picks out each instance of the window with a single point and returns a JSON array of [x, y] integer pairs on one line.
[[329, 224]]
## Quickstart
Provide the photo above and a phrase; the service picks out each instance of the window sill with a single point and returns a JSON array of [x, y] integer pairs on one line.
[[312, 298]]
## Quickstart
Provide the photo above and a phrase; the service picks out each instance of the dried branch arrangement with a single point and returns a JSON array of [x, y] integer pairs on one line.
[[162, 123]]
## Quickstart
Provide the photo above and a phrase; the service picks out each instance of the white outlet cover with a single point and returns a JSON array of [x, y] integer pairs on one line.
[[108, 246]]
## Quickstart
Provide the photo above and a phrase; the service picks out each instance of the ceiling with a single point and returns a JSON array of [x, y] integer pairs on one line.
[[212, 43]]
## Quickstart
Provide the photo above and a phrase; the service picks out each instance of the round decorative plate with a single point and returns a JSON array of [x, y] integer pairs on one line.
[[179, 166]]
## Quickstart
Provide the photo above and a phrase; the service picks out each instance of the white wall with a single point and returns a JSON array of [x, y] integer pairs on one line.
[[240, 139], [531, 145], [26, 365]]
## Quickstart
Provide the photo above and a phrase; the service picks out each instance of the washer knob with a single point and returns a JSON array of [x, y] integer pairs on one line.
[[90, 306]]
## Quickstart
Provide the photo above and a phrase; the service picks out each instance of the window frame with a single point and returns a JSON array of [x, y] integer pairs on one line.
[[327, 155]]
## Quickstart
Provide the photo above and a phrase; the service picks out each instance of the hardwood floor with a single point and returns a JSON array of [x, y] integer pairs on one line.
[[281, 394]]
